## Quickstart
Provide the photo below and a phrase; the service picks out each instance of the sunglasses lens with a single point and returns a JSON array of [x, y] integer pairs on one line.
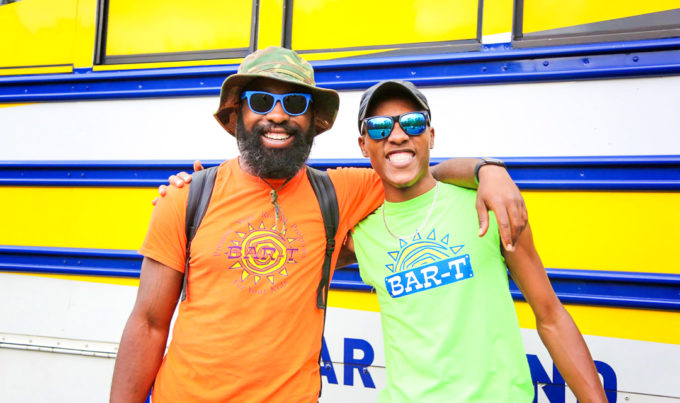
[[413, 123], [295, 104], [379, 127], [261, 102]]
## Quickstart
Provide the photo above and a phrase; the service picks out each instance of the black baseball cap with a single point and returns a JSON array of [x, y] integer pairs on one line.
[[390, 86]]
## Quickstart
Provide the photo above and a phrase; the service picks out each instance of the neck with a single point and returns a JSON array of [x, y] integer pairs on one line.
[[396, 194]]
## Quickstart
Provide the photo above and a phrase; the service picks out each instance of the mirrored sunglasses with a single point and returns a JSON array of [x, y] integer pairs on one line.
[[412, 123], [261, 102]]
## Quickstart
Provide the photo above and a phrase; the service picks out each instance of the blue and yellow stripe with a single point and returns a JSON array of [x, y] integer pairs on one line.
[[604, 227]]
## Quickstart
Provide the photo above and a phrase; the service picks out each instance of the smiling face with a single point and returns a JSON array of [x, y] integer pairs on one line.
[[402, 161], [274, 145]]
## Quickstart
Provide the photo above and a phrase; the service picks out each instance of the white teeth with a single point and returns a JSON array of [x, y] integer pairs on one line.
[[277, 136], [400, 156]]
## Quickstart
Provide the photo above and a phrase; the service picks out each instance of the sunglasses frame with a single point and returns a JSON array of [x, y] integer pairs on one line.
[[395, 118], [277, 98]]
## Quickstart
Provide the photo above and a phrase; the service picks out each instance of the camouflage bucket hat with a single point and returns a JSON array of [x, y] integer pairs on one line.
[[278, 64]]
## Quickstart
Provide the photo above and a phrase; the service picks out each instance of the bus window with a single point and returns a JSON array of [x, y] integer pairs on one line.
[[37, 33], [555, 22], [358, 25], [171, 30]]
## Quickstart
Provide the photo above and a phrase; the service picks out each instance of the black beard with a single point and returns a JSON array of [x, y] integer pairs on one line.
[[273, 163]]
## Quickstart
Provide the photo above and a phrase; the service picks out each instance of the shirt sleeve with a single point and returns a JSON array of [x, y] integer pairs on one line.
[[359, 191], [166, 239]]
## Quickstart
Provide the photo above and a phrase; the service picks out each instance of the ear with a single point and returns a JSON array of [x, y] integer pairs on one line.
[[362, 145], [431, 137]]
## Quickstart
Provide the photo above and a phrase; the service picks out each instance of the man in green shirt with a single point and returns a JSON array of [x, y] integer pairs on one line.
[[449, 325]]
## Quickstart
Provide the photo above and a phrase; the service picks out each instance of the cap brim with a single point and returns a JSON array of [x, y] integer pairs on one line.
[[325, 102]]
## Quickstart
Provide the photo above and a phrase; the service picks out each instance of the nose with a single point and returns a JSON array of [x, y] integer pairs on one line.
[[277, 115], [397, 136]]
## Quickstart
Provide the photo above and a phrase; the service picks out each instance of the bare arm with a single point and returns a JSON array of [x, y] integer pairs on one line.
[[146, 332], [555, 326], [496, 192]]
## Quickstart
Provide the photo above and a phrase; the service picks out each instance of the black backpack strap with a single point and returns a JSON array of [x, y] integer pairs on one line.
[[200, 190], [328, 201]]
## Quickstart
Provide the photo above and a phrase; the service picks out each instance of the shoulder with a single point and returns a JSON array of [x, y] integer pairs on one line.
[[175, 198], [347, 175], [457, 192]]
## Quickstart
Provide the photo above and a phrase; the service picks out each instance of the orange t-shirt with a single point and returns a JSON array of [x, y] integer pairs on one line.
[[249, 330]]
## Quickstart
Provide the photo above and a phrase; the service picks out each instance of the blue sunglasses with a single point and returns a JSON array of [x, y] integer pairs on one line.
[[412, 123], [261, 102]]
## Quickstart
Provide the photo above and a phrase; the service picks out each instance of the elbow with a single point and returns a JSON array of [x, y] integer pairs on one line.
[[550, 316]]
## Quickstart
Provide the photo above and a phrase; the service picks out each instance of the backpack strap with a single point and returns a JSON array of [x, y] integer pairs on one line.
[[328, 201], [200, 190]]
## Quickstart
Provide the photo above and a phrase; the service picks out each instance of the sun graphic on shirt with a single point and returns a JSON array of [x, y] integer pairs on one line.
[[262, 253], [421, 251]]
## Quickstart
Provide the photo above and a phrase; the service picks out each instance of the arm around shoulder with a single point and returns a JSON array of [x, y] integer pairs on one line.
[[554, 324], [146, 332]]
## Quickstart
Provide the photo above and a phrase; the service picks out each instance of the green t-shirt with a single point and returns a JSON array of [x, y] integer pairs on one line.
[[449, 324]]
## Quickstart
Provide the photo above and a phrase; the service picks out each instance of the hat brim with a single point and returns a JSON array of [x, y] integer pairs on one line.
[[325, 102]]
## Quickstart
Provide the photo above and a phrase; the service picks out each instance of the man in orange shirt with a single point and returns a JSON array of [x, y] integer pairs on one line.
[[249, 329]]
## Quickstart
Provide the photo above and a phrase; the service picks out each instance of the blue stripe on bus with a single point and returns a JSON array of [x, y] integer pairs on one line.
[[570, 173], [493, 64], [610, 288]]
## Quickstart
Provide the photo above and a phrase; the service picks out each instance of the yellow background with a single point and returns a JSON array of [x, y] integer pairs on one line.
[[540, 15], [54, 36], [158, 26], [620, 231], [38, 33], [342, 23]]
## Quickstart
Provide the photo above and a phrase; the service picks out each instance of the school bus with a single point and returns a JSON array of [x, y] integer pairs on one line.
[[101, 100]]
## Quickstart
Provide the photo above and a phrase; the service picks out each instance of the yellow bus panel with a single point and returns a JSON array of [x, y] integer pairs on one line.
[[337, 24], [542, 15], [497, 17], [37, 33], [167, 26], [618, 231]]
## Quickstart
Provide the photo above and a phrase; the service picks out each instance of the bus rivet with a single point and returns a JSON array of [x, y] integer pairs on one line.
[[586, 61], [545, 63], [635, 58], [484, 68]]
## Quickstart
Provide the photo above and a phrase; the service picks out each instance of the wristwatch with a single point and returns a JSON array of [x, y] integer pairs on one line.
[[486, 161]]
